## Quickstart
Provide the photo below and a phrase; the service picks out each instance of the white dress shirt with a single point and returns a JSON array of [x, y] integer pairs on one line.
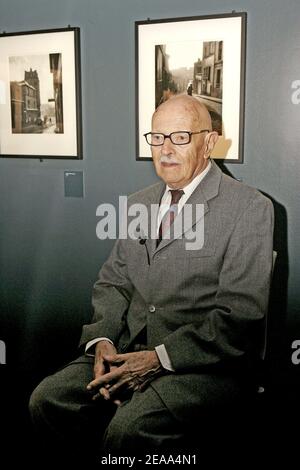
[[188, 190], [164, 206]]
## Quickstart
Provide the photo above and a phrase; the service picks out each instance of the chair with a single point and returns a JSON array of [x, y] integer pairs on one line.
[[261, 388]]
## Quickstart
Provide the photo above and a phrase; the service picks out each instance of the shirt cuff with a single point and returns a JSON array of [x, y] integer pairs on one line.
[[164, 357], [92, 343]]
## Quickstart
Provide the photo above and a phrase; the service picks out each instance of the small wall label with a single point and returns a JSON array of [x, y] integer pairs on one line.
[[2, 352]]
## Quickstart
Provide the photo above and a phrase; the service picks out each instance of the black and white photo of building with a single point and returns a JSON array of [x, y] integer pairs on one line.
[[36, 94]]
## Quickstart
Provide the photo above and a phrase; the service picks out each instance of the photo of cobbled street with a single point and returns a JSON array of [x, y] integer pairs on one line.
[[194, 68]]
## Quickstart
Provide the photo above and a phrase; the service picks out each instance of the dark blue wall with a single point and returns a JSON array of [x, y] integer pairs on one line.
[[49, 253]]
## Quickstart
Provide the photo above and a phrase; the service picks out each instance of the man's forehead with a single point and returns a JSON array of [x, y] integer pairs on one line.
[[174, 117]]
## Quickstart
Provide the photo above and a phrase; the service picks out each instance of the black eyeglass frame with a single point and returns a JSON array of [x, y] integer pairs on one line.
[[169, 136]]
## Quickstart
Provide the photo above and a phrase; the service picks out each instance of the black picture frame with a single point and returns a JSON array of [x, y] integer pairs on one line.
[[219, 42], [40, 94]]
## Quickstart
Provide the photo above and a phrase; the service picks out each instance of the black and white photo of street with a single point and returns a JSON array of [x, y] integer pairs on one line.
[[194, 68], [36, 94]]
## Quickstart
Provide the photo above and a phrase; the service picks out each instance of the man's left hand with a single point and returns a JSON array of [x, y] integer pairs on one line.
[[133, 372]]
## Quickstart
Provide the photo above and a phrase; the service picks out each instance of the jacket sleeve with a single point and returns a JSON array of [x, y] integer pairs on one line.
[[230, 329], [111, 297]]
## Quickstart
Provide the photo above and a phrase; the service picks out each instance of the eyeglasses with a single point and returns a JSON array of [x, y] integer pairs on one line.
[[177, 138]]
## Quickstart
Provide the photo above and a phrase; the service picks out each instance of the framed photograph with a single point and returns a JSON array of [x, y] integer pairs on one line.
[[40, 94], [202, 56]]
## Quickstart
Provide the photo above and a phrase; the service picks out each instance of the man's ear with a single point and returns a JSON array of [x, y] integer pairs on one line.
[[210, 142]]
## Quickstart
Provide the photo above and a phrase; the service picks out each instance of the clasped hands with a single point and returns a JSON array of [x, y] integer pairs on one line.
[[117, 374]]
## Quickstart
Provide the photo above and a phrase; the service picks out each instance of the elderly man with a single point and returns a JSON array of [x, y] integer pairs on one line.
[[175, 332]]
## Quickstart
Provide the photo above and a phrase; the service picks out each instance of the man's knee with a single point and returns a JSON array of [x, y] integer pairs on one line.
[[66, 389], [39, 399]]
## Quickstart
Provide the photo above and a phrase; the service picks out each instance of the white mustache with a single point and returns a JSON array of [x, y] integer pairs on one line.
[[165, 159]]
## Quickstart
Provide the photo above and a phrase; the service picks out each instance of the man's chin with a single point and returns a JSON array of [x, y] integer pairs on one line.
[[170, 171], [170, 174], [172, 182]]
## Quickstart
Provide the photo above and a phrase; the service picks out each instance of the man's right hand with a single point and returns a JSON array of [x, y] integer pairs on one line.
[[100, 366]]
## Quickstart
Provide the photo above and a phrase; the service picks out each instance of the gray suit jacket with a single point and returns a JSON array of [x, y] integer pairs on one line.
[[206, 306]]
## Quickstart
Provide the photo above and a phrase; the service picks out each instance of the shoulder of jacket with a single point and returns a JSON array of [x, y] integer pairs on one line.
[[242, 191], [237, 198]]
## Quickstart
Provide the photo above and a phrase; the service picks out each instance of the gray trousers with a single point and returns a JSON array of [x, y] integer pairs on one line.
[[65, 416]]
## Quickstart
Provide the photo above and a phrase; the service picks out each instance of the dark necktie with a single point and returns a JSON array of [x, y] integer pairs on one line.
[[170, 215]]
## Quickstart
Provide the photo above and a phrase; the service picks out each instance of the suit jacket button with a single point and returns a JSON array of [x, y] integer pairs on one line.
[[152, 308]]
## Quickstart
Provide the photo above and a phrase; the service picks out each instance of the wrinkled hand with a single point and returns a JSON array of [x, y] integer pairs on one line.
[[102, 348], [130, 371], [100, 365]]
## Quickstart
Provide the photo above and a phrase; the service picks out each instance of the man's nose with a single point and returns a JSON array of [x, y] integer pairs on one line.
[[167, 146]]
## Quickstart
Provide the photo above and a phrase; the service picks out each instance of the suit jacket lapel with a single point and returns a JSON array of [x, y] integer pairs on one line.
[[152, 204]]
